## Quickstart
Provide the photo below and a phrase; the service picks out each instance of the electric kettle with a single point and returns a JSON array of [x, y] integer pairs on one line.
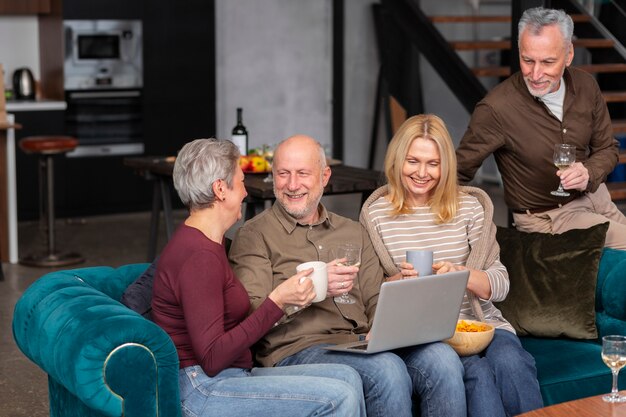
[[23, 84]]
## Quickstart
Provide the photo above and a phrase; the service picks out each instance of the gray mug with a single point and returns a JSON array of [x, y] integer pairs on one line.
[[422, 261]]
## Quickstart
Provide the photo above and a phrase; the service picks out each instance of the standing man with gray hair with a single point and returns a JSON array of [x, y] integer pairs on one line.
[[521, 120]]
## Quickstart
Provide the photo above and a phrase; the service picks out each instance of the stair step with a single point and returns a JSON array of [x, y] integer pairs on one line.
[[506, 71], [471, 19], [577, 18], [491, 71], [614, 96], [593, 43], [597, 68], [619, 125], [617, 190], [474, 45], [506, 44]]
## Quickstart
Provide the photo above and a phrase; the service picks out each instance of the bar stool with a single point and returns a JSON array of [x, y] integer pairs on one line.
[[46, 147]]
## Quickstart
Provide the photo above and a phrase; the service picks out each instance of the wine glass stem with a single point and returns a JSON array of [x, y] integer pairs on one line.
[[614, 388]]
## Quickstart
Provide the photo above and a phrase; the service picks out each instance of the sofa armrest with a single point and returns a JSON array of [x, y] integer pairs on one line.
[[109, 357], [611, 293]]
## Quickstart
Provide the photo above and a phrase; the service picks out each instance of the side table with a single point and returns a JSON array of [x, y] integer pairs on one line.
[[584, 407]]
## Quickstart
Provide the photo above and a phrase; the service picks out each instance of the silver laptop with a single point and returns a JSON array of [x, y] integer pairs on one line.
[[412, 312]]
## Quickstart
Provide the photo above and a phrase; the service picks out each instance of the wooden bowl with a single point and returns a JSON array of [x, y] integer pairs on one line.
[[471, 343]]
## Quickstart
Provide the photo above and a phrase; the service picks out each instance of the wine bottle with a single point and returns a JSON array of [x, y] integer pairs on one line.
[[240, 134]]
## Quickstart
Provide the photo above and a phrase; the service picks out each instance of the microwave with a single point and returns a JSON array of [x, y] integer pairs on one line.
[[103, 54]]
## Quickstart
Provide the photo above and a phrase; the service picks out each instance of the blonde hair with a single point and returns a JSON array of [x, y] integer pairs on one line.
[[444, 199]]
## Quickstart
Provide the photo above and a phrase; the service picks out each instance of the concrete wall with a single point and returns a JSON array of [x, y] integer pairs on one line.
[[19, 45], [360, 76], [274, 59]]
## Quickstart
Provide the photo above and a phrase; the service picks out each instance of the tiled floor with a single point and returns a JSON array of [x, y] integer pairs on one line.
[[108, 240]]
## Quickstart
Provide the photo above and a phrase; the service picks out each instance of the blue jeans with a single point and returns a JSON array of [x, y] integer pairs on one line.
[[320, 390], [437, 375], [502, 380], [388, 385]]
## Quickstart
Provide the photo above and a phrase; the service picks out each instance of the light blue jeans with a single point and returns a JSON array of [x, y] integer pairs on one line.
[[319, 390], [437, 378], [434, 372], [502, 380]]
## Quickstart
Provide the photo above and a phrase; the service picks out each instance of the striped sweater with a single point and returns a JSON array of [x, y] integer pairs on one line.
[[452, 241]]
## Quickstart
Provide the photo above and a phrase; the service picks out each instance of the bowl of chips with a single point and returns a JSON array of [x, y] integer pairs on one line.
[[470, 337]]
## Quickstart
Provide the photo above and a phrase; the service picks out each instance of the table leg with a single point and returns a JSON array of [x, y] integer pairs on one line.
[[154, 219], [167, 207], [254, 206], [250, 209], [364, 196]]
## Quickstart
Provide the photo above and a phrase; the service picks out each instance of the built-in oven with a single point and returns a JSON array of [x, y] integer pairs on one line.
[[105, 122], [103, 79]]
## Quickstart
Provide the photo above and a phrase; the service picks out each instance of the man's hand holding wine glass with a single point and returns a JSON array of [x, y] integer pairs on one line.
[[575, 177], [340, 278]]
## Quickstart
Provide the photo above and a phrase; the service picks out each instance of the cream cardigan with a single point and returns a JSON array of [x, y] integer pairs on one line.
[[484, 252]]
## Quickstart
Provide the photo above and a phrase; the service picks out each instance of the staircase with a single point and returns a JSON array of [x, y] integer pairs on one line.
[[607, 56]]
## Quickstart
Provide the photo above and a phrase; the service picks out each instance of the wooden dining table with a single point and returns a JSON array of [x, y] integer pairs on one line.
[[158, 169]]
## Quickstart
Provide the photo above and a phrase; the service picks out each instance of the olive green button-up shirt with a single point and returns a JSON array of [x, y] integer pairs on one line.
[[266, 251]]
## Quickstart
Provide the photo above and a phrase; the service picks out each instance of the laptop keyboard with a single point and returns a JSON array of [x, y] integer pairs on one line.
[[359, 347]]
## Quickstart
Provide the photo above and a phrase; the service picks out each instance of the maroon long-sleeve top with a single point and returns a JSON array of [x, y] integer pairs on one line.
[[200, 303]]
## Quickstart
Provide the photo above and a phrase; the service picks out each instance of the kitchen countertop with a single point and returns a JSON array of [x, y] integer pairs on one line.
[[35, 105]]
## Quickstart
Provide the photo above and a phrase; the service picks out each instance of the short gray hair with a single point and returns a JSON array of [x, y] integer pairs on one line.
[[537, 18], [198, 165]]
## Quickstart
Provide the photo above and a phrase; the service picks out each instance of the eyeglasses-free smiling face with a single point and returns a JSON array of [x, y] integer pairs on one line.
[[421, 171], [299, 178], [543, 58]]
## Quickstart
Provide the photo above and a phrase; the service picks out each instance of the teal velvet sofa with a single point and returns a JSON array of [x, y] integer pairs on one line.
[[569, 369], [102, 359]]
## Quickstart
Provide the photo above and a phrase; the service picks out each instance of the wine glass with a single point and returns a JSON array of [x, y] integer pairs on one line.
[[614, 356], [268, 154], [350, 254], [564, 156]]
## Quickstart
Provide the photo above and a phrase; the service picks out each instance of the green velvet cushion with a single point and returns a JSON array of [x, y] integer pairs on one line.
[[553, 281]]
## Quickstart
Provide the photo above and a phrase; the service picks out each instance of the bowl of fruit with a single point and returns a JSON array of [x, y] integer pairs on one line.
[[254, 164], [258, 161], [470, 337]]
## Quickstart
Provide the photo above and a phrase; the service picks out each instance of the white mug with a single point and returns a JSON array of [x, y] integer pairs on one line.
[[422, 261], [319, 276]]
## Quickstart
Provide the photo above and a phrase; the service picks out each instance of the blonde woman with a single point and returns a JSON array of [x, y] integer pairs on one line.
[[423, 208]]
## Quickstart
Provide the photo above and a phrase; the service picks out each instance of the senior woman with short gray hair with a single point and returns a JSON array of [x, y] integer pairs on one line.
[[204, 308]]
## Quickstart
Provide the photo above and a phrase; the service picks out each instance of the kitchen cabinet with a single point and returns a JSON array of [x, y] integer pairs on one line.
[[82, 186], [179, 74], [24, 6], [178, 102], [179, 65]]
